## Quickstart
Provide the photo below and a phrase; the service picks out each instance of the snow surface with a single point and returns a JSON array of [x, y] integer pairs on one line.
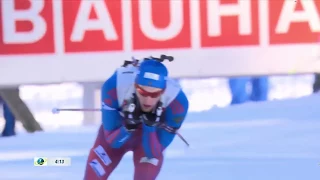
[[276, 140], [273, 140]]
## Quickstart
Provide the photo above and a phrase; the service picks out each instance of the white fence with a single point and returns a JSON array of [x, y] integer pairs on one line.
[[203, 94]]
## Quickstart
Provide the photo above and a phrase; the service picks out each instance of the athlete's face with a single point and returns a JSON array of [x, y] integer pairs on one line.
[[148, 97]]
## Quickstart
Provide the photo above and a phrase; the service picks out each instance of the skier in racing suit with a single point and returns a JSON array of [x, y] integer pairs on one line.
[[141, 110]]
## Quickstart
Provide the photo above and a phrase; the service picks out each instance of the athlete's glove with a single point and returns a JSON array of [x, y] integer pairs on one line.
[[132, 115], [153, 118]]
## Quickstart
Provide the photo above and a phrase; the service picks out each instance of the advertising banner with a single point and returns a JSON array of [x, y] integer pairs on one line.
[[48, 41]]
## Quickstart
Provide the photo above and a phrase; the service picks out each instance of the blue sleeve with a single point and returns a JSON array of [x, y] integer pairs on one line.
[[116, 135], [156, 140]]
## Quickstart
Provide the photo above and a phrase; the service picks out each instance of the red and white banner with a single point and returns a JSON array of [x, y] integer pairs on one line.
[[47, 41]]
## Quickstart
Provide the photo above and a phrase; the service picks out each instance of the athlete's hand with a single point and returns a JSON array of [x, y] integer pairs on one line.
[[131, 118], [153, 118]]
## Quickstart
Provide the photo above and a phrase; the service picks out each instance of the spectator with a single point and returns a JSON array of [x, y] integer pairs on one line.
[[316, 84], [19, 110], [9, 127], [238, 88]]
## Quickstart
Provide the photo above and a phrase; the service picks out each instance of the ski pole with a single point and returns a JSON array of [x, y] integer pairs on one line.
[[58, 110]]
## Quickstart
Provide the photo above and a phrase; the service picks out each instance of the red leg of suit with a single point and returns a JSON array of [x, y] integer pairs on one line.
[[145, 169], [102, 159]]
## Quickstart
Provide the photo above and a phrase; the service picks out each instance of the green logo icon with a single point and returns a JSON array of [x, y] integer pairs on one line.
[[40, 161]]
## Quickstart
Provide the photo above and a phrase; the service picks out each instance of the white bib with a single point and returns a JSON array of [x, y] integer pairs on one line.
[[125, 86]]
